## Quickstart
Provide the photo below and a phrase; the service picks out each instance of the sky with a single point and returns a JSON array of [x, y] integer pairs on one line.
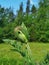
[[16, 3]]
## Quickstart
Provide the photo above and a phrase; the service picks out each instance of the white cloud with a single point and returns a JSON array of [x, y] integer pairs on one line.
[[31, 2]]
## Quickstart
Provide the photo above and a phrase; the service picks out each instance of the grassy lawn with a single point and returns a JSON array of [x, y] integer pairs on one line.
[[39, 50], [7, 52], [8, 56]]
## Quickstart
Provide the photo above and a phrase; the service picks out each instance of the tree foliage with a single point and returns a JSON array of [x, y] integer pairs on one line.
[[35, 19]]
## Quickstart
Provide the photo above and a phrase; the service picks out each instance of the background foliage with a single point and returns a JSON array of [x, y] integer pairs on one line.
[[35, 19]]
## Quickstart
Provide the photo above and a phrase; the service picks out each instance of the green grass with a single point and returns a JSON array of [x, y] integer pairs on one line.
[[39, 51], [8, 56]]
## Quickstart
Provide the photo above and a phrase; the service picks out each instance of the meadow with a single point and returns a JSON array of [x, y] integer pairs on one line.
[[11, 57]]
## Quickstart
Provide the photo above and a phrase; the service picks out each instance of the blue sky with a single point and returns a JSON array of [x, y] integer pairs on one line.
[[16, 3]]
